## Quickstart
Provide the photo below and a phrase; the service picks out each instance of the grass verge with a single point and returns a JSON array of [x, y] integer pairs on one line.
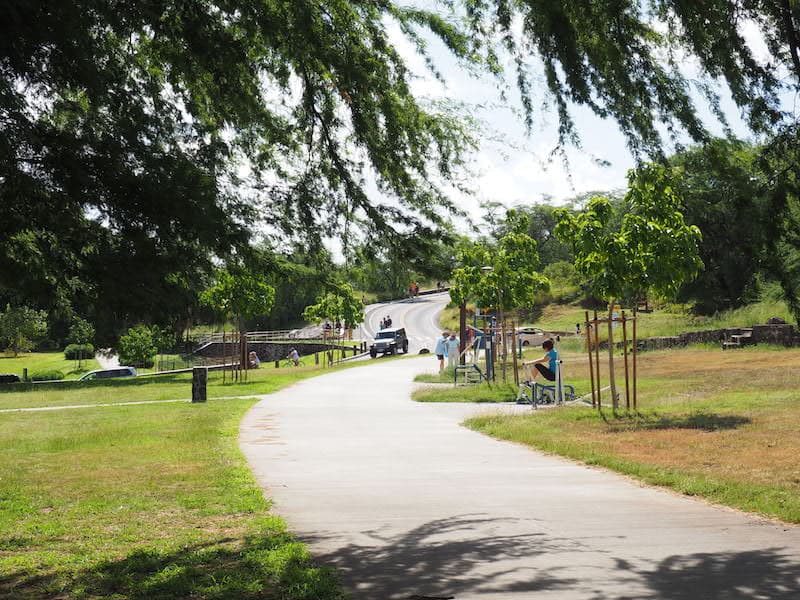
[[264, 380], [46, 361], [148, 502], [496, 392], [721, 425]]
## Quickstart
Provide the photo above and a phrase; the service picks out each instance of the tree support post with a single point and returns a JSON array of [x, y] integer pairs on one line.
[[462, 332], [596, 324], [625, 351], [588, 332], [635, 350]]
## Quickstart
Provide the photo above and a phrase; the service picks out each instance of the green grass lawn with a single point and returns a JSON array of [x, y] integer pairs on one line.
[[46, 361], [722, 425], [148, 502], [264, 380], [670, 320]]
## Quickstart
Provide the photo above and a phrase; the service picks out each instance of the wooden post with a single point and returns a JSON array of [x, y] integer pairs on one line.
[[635, 350], [596, 327], [612, 376], [588, 332], [199, 384], [514, 352], [625, 352], [25, 374], [316, 358], [224, 361], [462, 332]]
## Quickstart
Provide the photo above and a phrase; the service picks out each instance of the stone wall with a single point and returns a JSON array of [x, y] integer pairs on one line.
[[780, 335]]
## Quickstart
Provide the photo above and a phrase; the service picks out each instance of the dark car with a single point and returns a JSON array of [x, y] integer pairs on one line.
[[109, 373], [9, 378], [389, 341]]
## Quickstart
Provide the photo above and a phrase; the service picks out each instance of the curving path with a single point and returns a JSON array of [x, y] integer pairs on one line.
[[420, 317], [405, 502]]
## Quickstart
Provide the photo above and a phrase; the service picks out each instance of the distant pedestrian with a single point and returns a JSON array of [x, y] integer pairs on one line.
[[452, 350], [388, 321], [440, 350], [294, 356]]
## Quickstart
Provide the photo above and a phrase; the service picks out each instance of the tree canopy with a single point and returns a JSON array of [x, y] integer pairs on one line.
[[502, 275], [654, 250], [144, 142]]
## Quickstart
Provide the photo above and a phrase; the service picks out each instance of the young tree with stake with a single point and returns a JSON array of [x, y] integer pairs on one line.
[[653, 251]]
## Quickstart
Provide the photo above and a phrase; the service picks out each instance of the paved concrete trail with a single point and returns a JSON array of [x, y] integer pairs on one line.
[[406, 502]]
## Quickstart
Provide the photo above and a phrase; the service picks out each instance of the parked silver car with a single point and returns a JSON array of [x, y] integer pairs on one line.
[[109, 373]]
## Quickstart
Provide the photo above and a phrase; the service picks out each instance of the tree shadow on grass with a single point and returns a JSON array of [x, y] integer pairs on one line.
[[258, 567], [705, 421]]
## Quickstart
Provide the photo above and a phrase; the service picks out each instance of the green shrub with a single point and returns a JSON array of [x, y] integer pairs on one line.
[[138, 347], [52, 375], [78, 351]]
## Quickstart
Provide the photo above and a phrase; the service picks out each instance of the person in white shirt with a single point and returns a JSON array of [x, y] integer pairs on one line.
[[294, 357], [452, 350]]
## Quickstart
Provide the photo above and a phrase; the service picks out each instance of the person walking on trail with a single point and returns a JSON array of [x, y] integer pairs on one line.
[[294, 357], [440, 350], [451, 347], [550, 357]]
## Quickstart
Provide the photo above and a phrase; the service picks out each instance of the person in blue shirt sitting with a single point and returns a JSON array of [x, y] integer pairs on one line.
[[551, 358]]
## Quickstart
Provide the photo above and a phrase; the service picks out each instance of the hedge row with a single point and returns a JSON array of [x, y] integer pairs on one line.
[[76, 351]]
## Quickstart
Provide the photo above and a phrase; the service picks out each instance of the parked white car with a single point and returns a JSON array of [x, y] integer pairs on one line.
[[531, 336]]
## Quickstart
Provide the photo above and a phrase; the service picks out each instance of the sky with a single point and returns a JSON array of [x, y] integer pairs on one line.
[[514, 167]]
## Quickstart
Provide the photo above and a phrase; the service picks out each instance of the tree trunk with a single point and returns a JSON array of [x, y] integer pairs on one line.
[[611, 380]]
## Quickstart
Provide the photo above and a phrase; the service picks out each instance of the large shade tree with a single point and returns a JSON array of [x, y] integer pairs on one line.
[[124, 124]]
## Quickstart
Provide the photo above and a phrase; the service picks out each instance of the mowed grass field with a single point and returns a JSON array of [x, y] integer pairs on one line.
[[143, 501], [722, 425], [264, 380], [660, 322], [45, 361]]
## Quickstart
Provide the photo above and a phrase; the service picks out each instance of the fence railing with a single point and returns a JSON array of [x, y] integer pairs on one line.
[[272, 336]]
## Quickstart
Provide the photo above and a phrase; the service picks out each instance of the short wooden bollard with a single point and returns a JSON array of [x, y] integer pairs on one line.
[[25, 374], [277, 364], [199, 384], [316, 358]]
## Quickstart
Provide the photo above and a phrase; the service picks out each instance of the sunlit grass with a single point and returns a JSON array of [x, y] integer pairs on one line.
[[46, 361], [148, 501], [718, 424]]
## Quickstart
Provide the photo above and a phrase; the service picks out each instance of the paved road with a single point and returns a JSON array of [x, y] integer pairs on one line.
[[420, 317], [405, 501]]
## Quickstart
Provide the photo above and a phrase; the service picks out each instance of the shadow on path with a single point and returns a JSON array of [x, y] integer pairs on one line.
[[452, 557]]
